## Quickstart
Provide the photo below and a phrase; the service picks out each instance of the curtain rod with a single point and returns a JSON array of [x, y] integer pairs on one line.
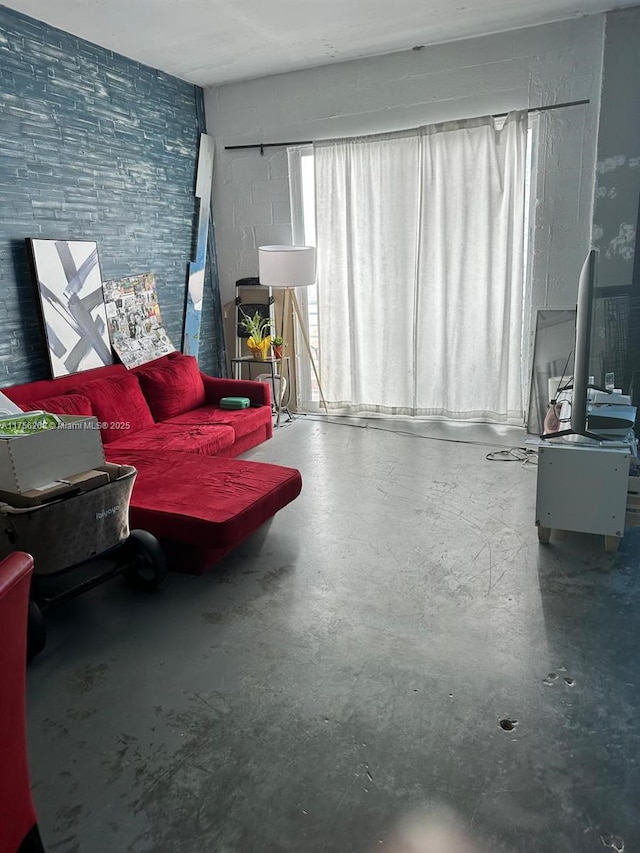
[[263, 145]]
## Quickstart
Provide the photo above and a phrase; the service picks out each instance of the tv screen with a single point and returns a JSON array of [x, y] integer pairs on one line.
[[584, 314]]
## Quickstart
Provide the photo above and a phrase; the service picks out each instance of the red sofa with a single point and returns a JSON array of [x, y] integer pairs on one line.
[[164, 418], [166, 404]]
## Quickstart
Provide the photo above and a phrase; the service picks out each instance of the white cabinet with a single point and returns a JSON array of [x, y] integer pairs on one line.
[[582, 488]]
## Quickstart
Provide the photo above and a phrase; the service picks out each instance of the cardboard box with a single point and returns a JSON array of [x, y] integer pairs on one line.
[[32, 461], [74, 485]]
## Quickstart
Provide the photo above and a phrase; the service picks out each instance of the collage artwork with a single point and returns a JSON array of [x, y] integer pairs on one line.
[[134, 319]]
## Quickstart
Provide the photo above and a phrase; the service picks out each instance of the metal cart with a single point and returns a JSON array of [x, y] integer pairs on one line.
[[65, 538]]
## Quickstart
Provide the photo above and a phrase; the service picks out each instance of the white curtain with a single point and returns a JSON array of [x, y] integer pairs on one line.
[[420, 270]]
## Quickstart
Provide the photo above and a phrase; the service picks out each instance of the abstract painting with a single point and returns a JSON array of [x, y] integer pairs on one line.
[[67, 274], [135, 322]]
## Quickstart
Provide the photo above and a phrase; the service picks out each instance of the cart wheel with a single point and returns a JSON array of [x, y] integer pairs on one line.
[[36, 631], [146, 564], [543, 534]]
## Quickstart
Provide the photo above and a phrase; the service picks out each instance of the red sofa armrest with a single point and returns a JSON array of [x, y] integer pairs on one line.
[[215, 388]]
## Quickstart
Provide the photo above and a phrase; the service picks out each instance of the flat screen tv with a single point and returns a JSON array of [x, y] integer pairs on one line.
[[594, 416], [582, 351], [584, 316]]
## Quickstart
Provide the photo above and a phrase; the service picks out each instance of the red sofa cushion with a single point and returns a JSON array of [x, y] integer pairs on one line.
[[119, 406], [75, 383], [243, 421], [205, 440], [64, 404], [172, 388], [258, 392], [210, 501]]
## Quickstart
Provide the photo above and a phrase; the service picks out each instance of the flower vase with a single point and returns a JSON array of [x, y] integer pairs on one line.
[[260, 352]]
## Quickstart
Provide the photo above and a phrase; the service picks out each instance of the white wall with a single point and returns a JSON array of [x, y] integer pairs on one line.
[[540, 65]]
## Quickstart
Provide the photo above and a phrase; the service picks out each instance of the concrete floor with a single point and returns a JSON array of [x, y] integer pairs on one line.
[[349, 666]]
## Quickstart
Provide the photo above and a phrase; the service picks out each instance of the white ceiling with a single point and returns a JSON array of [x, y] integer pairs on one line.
[[217, 41]]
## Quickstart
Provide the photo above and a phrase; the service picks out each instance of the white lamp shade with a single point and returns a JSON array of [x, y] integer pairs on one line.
[[287, 266]]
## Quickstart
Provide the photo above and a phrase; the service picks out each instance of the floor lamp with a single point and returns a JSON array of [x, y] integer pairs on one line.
[[290, 267]]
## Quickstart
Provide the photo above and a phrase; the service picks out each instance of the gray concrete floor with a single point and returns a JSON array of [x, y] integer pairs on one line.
[[348, 666]]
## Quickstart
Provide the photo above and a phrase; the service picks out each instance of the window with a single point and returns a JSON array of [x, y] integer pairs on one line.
[[302, 183], [302, 188]]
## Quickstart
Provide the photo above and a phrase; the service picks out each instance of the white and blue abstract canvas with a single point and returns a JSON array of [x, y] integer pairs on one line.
[[195, 284], [69, 283]]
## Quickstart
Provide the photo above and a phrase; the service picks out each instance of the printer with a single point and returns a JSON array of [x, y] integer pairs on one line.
[[610, 413]]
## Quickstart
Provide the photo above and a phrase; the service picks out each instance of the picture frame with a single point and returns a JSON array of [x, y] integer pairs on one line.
[[554, 337], [69, 286], [137, 331]]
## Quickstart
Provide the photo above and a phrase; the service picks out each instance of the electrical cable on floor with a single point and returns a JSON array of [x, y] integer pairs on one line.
[[524, 455], [325, 420]]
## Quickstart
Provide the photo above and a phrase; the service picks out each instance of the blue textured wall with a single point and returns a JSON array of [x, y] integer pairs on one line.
[[93, 146]]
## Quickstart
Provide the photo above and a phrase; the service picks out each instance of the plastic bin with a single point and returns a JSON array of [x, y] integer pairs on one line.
[[65, 532], [68, 533]]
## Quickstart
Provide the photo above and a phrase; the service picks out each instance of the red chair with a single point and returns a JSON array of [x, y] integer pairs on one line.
[[18, 828]]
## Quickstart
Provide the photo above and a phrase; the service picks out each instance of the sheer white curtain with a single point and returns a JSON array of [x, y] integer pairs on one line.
[[420, 270]]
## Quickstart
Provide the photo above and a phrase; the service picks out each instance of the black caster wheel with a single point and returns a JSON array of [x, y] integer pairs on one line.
[[146, 564], [36, 631]]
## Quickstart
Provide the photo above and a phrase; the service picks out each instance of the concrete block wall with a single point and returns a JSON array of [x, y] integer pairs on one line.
[[514, 70], [618, 167], [93, 146], [617, 214]]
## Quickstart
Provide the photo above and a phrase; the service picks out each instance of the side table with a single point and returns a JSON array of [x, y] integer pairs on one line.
[[279, 401]]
